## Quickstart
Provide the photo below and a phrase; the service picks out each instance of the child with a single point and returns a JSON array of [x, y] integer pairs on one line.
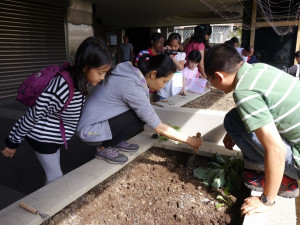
[[265, 124], [294, 70], [199, 41], [40, 125], [157, 41], [176, 85], [125, 108], [191, 70]]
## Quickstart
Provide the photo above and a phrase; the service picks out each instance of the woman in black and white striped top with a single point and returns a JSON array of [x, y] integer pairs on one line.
[[40, 125]]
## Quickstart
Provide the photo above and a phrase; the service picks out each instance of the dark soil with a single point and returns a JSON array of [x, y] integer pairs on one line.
[[156, 188]]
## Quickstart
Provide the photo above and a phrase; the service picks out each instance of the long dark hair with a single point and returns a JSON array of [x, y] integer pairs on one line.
[[163, 64], [155, 37], [199, 34], [92, 53]]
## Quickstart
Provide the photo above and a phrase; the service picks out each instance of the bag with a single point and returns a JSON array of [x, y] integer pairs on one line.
[[35, 84], [198, 85]]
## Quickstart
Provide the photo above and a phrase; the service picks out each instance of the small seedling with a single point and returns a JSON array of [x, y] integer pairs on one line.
[[225, 199]]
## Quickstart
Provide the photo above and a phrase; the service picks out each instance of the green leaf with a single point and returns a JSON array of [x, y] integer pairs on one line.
[[219, 158], [235, 180], [219, 179], [214, 165], [226, 191], [162, 138], [201, 173], [220, 197], [219, 205], [176, 128]]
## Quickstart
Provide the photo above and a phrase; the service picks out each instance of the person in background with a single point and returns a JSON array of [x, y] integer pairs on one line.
[[199, 41], [191, 70], [40, 125], [265, 124], [117, 111], [235, 41], [294, 70], [125, 52], [176, 84], [246, 53], [157, 41]]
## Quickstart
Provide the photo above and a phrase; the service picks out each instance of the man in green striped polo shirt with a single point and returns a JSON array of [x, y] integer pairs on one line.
[[265, 124]]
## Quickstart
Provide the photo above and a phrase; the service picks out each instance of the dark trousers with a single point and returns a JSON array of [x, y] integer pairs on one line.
[[123, 127]]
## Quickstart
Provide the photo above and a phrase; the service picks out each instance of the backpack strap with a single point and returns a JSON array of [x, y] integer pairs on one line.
[[70, 82]]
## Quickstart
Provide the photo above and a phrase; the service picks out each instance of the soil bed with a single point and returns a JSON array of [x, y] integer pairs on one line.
[[157, 188]]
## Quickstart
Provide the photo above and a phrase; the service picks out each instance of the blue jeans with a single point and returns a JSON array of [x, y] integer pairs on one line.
[[251, 148]]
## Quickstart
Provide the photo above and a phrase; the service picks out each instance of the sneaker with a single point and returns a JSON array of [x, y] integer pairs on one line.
[[111, 155], [126, 147], [256, 181]]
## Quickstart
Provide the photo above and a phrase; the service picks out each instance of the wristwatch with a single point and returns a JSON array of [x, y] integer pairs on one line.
[[265, 200]]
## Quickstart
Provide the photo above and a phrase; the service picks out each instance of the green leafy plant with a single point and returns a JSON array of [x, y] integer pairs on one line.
[[222, 171], [226, 200]]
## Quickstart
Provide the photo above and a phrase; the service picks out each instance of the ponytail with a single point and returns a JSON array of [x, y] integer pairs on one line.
[[161, 63]]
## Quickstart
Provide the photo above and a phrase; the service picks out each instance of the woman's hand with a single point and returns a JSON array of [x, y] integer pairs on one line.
[[194, 142], [253, 205], [228, 142], [8, 152], [183, 92]]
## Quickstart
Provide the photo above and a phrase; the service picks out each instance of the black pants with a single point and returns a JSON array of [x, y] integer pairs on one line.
[[123, 127]]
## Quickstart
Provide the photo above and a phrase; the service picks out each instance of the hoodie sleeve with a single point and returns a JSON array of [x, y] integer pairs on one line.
[[137, 99]]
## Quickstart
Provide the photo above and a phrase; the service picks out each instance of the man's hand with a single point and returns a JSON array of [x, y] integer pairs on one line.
[[253, 205], [8, 152], [228, 142]]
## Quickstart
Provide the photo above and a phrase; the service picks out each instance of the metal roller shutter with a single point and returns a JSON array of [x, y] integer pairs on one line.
[[32, 36]]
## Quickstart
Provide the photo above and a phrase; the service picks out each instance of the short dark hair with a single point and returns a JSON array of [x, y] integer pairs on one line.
[[221, 58], [174, 36], [230, 43], [92, 53], [297, 54], [249, 48], [163, 64], [194, 56], [234, 40]]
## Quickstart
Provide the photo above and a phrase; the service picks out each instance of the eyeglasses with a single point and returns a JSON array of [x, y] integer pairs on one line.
[[208, 83]]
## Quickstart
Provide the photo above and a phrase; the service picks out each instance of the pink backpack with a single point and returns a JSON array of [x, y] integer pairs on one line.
[[35, 84]]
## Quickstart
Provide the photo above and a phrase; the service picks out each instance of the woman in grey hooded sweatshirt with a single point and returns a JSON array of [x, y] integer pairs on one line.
[[118, 109]]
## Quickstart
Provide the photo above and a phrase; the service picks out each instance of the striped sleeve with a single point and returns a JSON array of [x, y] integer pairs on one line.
[[50, 101], [140, 54], [252, 109]]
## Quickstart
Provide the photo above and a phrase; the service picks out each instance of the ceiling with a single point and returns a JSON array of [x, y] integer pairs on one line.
[[155, 13]]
